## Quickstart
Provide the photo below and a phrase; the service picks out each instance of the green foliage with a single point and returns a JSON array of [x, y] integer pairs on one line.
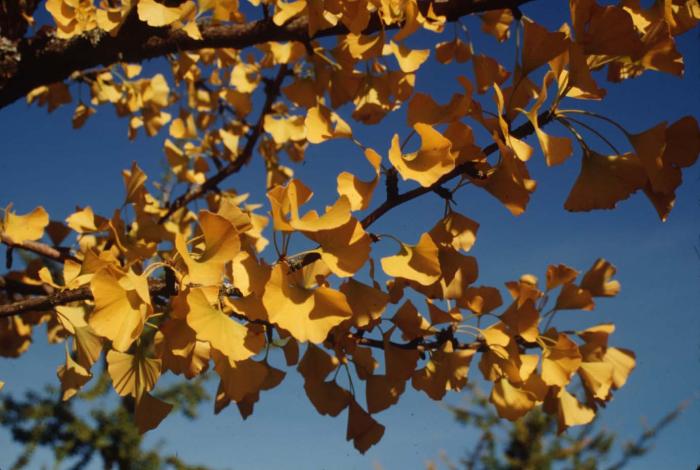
[[78, 438], [532, 442]]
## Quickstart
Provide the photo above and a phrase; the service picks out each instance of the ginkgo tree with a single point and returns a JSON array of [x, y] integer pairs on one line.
[[164, 289]]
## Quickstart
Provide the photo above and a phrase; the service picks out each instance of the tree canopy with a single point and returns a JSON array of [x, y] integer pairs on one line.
[[254, 284]]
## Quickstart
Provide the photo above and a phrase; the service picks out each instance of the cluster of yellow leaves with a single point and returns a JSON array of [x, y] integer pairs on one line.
[[222, 302], [230, 305]]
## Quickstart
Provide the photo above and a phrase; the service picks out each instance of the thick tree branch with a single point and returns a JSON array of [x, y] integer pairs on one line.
[[272, 92], [44, 59], [59, 254], [48, 302]]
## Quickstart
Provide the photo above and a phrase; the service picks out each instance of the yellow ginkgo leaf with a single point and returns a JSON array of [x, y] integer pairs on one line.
[[72, 376], [149, 412], [411, 323], [559, 274], [446, 370], [497, 23], [284, 11], [488, 72], [604, 181], [511, 402], [623, 362], [233, 340], [323, 124], [417, 263], [597, 378], [481, 299], [344, 249], [307, 313], [570, 412], [597, 279], [522, 320], [510, 183], [132, 374], [366, 302], [556, 149], [85, 221], [572, 297], [359, 192], [363, 430], [316, 364], [122, 303], [455, 230], [560, 360], [409, 60], [157, 14], [239, 378], [422, 108], [27, 227], [433, 160], [382, 392], [222, 242], [540, 46], [328, 398]]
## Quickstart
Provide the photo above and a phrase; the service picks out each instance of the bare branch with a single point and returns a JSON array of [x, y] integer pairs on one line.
[[48, 302], [59, 254], [272, 91], [468, 169]]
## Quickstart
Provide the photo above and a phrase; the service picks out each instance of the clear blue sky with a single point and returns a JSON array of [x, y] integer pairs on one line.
[[657, 314]]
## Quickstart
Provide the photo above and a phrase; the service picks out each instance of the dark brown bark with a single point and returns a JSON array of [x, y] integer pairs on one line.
[[44, 59]]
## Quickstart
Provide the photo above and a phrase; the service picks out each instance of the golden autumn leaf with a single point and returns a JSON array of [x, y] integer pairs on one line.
[[363, 430], [149, 412], [423, 109], [560, 360], [417, 263], [27, 227], [233, 340], [409, 60], [344, 249], [72, 376], [239, 378], [522, 320], [569, 411], [455, 230], [358, 192], [481, 300], [556, 149], [559, 274], [328, 398], [307, 313], [221, 243], [316, 364], [383, 392], [446, 370], [497, 23], [510, 183], [156, 13], [488, 72], [122, 303], [323, 124], [433, 160], [411, 323], [132, 374], [510, 401], [604, 181], [597, 279], [366, 302], [573, 297], [540, 46]]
